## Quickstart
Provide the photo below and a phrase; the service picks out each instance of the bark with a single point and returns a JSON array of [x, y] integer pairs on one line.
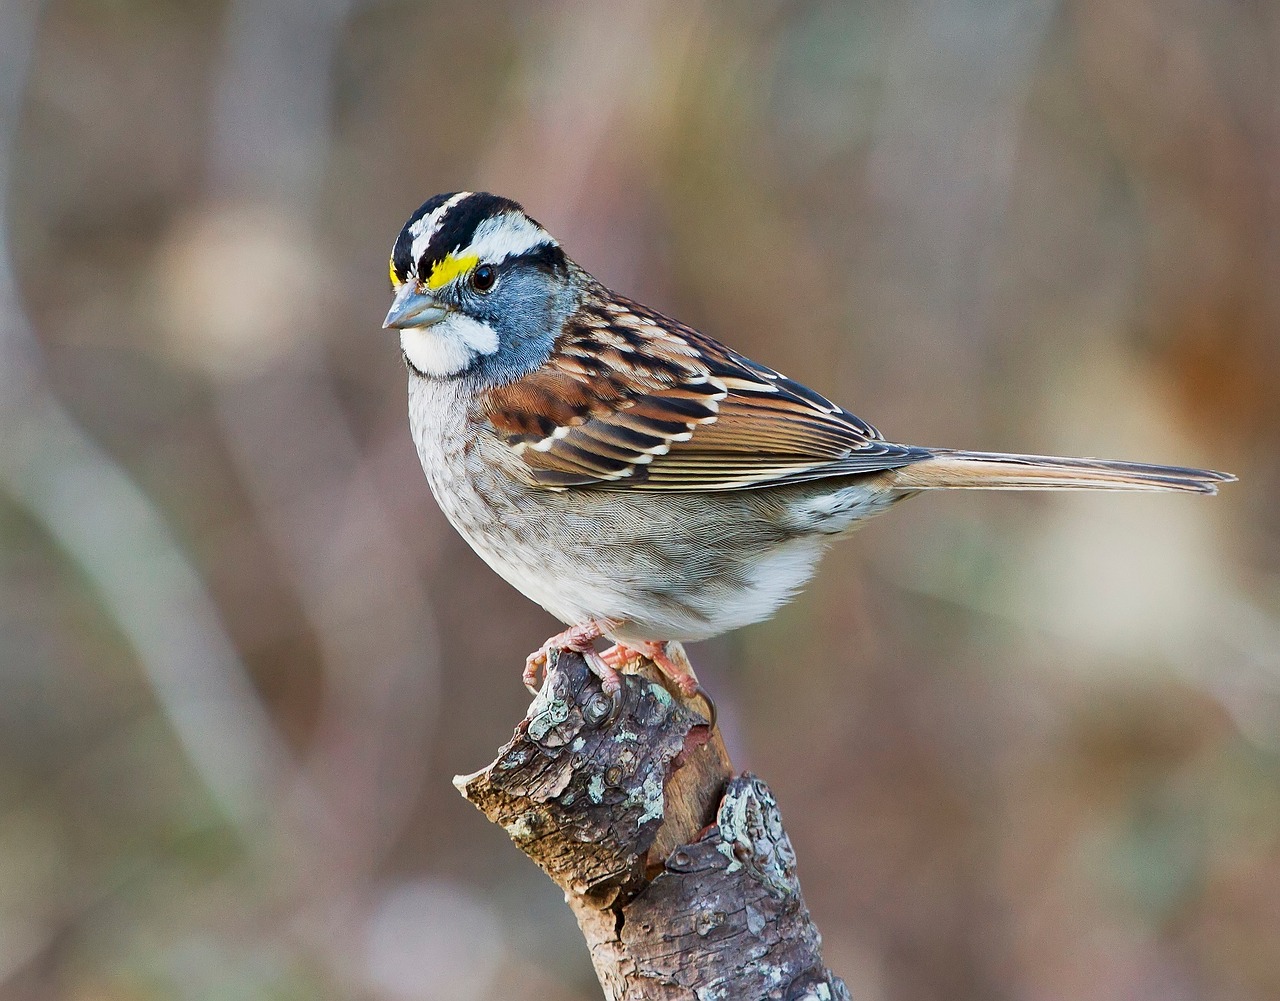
[[680, 874]]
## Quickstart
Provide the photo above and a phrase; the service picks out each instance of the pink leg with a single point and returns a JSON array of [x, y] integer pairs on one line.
[[671, 661], [674, 663], [580, 639]]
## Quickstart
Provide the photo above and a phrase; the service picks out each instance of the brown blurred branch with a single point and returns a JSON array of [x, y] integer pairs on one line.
[[680, 874]]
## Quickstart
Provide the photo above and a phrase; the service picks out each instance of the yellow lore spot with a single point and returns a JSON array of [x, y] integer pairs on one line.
[[449, 269]]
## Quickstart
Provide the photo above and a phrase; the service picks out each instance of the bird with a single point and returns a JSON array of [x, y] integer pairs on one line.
[[638, 479]]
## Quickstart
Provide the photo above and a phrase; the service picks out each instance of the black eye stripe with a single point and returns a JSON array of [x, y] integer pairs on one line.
[[547, 256]]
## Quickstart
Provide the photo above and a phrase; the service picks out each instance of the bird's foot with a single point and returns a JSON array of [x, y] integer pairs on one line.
[[619, 654], [578, 639], [671, 660]]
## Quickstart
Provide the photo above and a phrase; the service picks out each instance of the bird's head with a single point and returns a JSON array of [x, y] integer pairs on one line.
[[480, 289]]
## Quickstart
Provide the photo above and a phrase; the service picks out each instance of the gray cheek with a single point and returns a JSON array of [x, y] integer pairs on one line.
[[527, 317]]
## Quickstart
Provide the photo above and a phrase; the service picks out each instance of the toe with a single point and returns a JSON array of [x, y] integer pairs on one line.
[[533, 666]]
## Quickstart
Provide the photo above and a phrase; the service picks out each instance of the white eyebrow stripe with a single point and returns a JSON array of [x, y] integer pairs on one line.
[[508, 235], [425, 228]]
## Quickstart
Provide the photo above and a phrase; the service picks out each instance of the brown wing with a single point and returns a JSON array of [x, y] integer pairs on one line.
[[633, 400]]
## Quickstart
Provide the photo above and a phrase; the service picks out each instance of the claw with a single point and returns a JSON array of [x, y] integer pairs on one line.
[[579, 639], [712, 713], [610, 681]]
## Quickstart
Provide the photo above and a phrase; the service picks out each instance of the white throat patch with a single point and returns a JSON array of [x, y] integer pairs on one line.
[[448, 347]]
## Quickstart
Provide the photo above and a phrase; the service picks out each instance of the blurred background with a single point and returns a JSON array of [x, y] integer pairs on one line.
[[1026, 747]]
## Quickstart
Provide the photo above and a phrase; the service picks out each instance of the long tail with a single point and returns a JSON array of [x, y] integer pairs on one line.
[[947, 468]]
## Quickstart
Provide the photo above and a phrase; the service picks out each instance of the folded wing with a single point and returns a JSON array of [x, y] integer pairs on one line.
[[633, 400]]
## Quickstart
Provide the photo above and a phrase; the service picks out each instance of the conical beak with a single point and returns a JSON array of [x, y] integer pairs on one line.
[[412, 308]]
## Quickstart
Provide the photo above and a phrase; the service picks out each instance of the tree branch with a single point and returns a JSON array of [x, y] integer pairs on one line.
[[681, 876]]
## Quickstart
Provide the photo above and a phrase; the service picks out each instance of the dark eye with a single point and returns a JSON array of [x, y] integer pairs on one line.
[[483, 277]]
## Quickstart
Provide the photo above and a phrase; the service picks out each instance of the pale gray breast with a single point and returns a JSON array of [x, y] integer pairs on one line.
[[678, 565], [453, 455]]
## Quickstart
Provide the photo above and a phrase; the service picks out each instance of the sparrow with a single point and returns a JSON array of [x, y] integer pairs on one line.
[[635, 477]]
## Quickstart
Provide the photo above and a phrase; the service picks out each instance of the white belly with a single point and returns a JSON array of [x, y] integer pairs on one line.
[[670, 566]]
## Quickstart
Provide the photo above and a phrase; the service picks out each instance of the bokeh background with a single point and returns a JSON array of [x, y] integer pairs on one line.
[[1026, 747]]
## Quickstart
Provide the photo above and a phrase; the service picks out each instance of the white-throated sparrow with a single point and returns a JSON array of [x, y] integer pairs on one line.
[[636, 478]]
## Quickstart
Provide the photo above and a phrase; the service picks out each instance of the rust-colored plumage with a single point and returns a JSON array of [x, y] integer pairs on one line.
[[631, 399]]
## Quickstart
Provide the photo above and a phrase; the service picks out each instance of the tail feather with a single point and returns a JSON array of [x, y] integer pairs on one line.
[[954, 469]]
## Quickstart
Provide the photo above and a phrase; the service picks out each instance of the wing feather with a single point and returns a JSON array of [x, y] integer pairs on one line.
[[632, 400]]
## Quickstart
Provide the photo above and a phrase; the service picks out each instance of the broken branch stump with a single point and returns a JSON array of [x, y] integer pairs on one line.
[[680, 874]]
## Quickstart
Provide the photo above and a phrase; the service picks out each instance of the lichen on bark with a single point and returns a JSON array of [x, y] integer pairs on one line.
[[681, 875]]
